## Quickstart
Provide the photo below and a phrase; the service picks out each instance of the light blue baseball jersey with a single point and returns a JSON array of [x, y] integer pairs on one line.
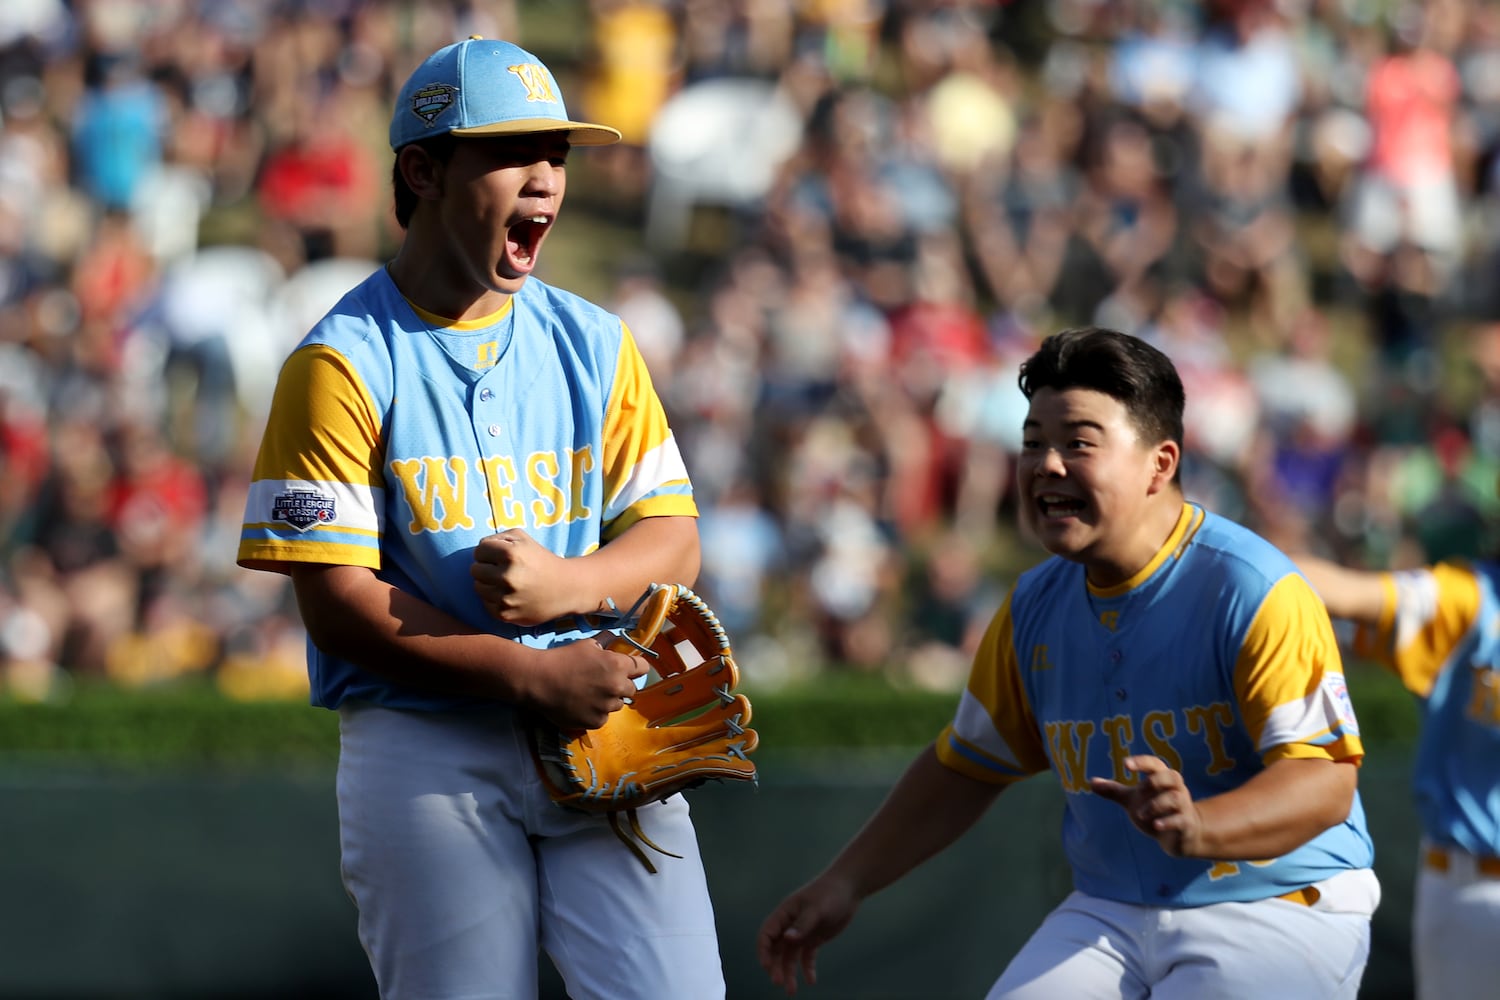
[[1440, 632], [398, 439], [1216, 657]]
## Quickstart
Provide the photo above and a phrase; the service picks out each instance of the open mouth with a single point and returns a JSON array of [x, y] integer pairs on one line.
[[1053, 505], [523, 240]]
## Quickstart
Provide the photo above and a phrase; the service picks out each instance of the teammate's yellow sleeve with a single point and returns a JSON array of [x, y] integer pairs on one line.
[[1424, 615], [1289, 679]]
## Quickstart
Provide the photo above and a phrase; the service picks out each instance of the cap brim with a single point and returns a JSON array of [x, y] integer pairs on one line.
[[579, 133]]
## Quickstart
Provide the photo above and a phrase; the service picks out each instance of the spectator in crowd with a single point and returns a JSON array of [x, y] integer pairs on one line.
[[1218, 178]]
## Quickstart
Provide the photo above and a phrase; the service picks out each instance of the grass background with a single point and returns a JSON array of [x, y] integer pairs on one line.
[[191, 723]]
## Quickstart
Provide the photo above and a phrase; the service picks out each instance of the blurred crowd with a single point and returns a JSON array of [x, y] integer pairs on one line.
[[853, 218]]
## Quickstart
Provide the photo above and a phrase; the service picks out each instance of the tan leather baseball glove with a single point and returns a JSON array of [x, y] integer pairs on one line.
[[687, 725]]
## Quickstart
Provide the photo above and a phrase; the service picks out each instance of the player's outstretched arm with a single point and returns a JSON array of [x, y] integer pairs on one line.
[[928, 809], [352, 614], [1354, 594], [1278, 810], [522, 582]]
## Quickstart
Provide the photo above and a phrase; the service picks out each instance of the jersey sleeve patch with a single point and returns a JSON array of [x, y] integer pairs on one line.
[[299, 521], [1321, 719], [1289, 678]]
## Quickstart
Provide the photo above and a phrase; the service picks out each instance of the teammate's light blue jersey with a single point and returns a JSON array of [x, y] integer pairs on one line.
[[1440, 632], [1216, 657], [398, 439]]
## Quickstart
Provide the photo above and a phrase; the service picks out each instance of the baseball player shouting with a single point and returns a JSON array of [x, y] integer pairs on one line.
[[459, 459], [1183, 682], [1438, 629]]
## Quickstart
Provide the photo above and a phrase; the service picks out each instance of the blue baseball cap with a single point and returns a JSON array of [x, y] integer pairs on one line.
[[482, 86]]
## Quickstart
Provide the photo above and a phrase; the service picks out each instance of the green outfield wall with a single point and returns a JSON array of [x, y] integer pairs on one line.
[[222, 882]]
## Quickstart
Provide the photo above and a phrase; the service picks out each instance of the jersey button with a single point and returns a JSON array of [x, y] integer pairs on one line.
[[486, 394], [494, 430]]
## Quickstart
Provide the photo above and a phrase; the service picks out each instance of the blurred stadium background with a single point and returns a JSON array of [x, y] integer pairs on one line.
[[835, 227]]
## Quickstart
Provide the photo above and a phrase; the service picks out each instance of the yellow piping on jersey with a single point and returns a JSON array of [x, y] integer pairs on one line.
[[1188, 523], [448, 323]]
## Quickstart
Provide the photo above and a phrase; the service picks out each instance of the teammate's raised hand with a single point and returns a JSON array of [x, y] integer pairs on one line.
[[521, 581], [1158, 803], [790, 937]]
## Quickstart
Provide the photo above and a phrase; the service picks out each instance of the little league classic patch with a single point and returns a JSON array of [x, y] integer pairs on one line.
[[303, 508], [1338, 692]]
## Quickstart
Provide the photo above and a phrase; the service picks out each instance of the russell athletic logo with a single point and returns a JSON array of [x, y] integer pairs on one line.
[[303, 508]]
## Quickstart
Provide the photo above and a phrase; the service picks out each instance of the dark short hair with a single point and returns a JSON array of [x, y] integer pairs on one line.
[[440, 148], [1119, 365]]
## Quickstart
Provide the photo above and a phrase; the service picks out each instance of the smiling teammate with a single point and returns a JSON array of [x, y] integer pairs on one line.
[[459, 459], [1183, 683]]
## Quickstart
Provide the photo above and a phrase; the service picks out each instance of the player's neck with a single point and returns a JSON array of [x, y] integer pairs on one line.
[[1112, 565], [426, 282]]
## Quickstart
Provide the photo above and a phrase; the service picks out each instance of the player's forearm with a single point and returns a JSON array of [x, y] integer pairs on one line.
[[1277, 811], [352, 614], [929, 808], [653, 550]]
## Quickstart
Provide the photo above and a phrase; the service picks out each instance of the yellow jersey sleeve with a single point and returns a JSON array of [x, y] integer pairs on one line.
[[644, 474], [316, 494], [1424, 615], [994, 735], [1289, 680]]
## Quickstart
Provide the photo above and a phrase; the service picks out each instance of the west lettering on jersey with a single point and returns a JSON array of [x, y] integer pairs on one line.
[[1068, 742], [581, 462], [436, 490], [500, 478], [1228, 869], [1158, 728], [1069, 745], [1121, 732], [541, 475], [1211, 721]]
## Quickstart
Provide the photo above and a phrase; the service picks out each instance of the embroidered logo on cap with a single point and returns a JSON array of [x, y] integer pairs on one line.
[[534, 78], [432, 100], [303, 508]]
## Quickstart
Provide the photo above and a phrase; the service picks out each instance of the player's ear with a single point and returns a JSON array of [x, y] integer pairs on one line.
[[1164, 461], [421, 171]]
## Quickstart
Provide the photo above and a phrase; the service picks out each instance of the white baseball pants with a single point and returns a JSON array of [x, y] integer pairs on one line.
[[462, 867]]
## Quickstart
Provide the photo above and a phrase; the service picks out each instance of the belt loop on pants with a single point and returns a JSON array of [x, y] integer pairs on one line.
[[1445, 859], [1302, 897]]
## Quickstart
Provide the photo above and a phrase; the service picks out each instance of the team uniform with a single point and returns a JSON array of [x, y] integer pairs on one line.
[[1439, 631], [396, 441], [1218, 658]]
